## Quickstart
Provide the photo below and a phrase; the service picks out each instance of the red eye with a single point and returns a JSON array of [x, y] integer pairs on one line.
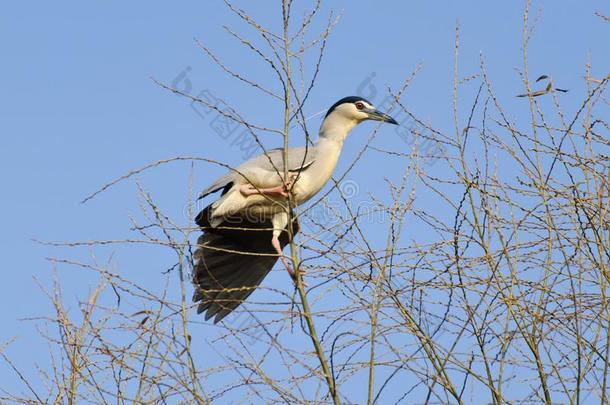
[[359, 105]]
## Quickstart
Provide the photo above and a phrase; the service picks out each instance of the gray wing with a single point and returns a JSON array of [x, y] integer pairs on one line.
[[298, 159]]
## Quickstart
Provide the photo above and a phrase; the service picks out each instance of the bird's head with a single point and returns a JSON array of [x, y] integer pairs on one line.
[[351, 111], [358, 109]]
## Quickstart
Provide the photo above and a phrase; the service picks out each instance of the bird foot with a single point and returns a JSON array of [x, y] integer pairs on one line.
[[292, 273], [287, 187], [283, 190], [291, 179], [248, 190]]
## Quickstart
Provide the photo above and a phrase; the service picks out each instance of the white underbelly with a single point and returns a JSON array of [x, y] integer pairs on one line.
[[307, 186]]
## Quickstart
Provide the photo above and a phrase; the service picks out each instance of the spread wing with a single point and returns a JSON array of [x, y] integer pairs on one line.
[[231, 261]]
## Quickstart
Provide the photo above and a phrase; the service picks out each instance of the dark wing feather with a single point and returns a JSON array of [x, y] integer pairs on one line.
[[227, 268]]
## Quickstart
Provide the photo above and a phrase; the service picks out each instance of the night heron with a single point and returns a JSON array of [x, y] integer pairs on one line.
[[246, 229]]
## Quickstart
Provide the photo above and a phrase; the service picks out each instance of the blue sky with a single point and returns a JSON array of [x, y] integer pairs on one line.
[[78, 107]]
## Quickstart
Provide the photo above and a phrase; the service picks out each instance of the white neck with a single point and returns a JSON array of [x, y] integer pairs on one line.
[[335, 127], [333, 132]]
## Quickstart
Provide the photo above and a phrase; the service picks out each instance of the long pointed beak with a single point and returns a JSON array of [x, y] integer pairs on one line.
[[380, 116]]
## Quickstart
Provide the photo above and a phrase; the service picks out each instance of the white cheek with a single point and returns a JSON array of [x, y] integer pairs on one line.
[[361, 115]]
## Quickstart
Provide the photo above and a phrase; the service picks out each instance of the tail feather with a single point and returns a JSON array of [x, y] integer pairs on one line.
[[231, 261], [225, 279]]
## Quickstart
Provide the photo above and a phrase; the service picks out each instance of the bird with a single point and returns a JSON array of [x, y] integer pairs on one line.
[[246, 228], [549, 87]]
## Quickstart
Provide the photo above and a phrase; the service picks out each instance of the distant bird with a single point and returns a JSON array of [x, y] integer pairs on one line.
[[548, 89], [246, 229]]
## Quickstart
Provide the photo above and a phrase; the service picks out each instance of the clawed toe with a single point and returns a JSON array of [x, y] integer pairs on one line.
[[293, 275], [291, 179]]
